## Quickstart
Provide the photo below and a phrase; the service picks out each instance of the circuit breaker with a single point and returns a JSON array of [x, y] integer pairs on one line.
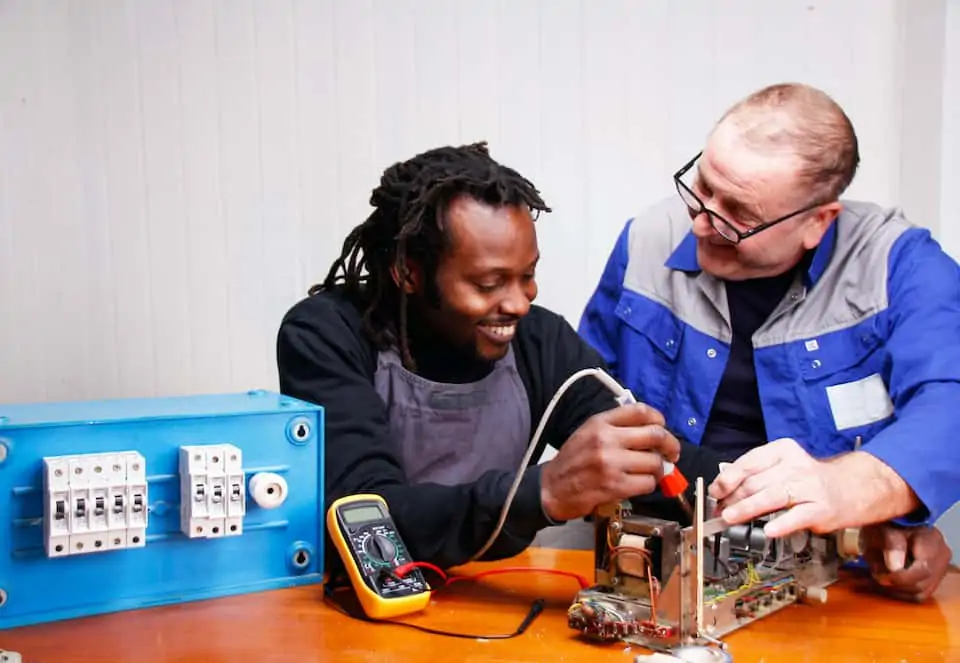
[[131, 503], [212, 491], [94, 503]]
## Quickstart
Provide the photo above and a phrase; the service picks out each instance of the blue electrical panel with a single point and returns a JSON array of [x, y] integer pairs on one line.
[[131, 503]]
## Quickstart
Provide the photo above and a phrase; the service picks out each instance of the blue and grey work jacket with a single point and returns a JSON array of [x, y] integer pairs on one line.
[[863, 351]]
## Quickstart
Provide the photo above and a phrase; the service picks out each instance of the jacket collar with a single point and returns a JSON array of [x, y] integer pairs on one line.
[[684, 257]]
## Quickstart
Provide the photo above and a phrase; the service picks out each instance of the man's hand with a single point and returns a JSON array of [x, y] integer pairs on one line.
[[907, 562], [614, 455], [816, 494]]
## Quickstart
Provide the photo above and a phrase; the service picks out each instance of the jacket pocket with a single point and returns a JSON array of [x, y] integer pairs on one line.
[[845, 376], [832, 356], [649, 346]]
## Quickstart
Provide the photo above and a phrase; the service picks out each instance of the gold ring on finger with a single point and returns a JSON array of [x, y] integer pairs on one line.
[[790, 500]]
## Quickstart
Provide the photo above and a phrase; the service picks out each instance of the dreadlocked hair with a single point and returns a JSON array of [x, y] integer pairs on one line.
[[408, 222]]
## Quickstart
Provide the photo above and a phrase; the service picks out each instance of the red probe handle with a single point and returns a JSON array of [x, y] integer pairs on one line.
[[673, 482]]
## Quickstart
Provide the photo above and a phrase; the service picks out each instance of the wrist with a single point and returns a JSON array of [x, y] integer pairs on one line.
[[881, 494], [548, 503]]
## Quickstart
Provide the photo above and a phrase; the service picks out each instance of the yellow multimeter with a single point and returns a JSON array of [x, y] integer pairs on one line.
[[370, 546]]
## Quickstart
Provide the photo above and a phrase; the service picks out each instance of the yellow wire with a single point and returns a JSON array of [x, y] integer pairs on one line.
[[753, 578]]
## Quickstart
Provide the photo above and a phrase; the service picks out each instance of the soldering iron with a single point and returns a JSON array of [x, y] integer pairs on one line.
[[672, 484]]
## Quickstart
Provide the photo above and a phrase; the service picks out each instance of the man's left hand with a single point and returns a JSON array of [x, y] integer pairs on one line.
[[780, 475], [907, 562], [814, 494]]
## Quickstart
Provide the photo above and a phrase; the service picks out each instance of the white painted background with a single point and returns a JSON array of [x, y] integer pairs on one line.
[[174, 174]]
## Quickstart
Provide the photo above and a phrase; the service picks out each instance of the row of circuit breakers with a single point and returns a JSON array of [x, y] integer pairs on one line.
[[97, 502]]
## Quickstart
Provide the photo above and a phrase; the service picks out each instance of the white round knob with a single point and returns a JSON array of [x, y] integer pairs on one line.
[[816, 594], [268, 490], [848, 543]]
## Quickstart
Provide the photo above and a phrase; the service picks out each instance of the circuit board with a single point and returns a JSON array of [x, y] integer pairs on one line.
[[660, 584]]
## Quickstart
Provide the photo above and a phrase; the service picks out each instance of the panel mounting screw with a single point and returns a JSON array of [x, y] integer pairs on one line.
[[4, 450], [3, 597]]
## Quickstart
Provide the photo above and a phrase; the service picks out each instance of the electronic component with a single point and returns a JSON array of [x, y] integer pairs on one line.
[[370, 546], [212, 491], [660, 585], [94, 503]]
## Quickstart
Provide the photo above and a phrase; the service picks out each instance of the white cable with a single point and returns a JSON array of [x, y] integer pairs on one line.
[[622, 396]]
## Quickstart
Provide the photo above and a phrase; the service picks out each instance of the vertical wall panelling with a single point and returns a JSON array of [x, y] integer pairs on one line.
[[241, 192], [322, 226], [562, 151], [20, 359], [159, 99], [207, 299], [950, 145], [277, 133], [923, 82]]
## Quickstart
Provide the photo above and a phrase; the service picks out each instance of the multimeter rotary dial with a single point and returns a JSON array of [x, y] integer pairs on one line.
[[379, 548]]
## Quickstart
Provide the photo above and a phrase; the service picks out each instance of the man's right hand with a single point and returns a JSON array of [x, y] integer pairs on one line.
[[613, 456], [909, 563]]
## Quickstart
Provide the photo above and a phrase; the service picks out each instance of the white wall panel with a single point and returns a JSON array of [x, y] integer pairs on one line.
[[950, 140], [174, 174]]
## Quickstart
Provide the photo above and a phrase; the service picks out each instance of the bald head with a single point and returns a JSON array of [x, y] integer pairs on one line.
[[774, 168], [797, 125]]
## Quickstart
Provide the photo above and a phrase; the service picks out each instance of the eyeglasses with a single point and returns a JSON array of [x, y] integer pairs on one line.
[[723, 227]]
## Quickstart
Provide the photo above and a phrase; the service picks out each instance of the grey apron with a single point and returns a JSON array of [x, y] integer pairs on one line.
[[453, 433]]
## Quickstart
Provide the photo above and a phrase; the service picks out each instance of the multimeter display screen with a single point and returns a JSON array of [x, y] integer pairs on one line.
[[361, 514]]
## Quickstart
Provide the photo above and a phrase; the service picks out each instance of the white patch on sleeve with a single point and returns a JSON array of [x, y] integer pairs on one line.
[[859, 403]]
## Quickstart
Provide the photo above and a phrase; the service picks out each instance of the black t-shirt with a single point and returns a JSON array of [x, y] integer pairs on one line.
[[324, 357], [736, 421]]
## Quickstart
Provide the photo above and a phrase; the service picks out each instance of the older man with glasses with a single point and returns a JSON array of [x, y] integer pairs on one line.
[[813, 343]]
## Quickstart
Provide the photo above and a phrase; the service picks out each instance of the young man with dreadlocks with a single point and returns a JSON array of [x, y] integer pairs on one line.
[[433, 366]]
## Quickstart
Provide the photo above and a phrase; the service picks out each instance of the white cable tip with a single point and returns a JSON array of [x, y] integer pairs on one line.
[[268, 490], [625, 397]]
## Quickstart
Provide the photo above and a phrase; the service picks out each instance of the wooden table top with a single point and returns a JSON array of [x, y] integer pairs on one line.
[[295, 625]]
